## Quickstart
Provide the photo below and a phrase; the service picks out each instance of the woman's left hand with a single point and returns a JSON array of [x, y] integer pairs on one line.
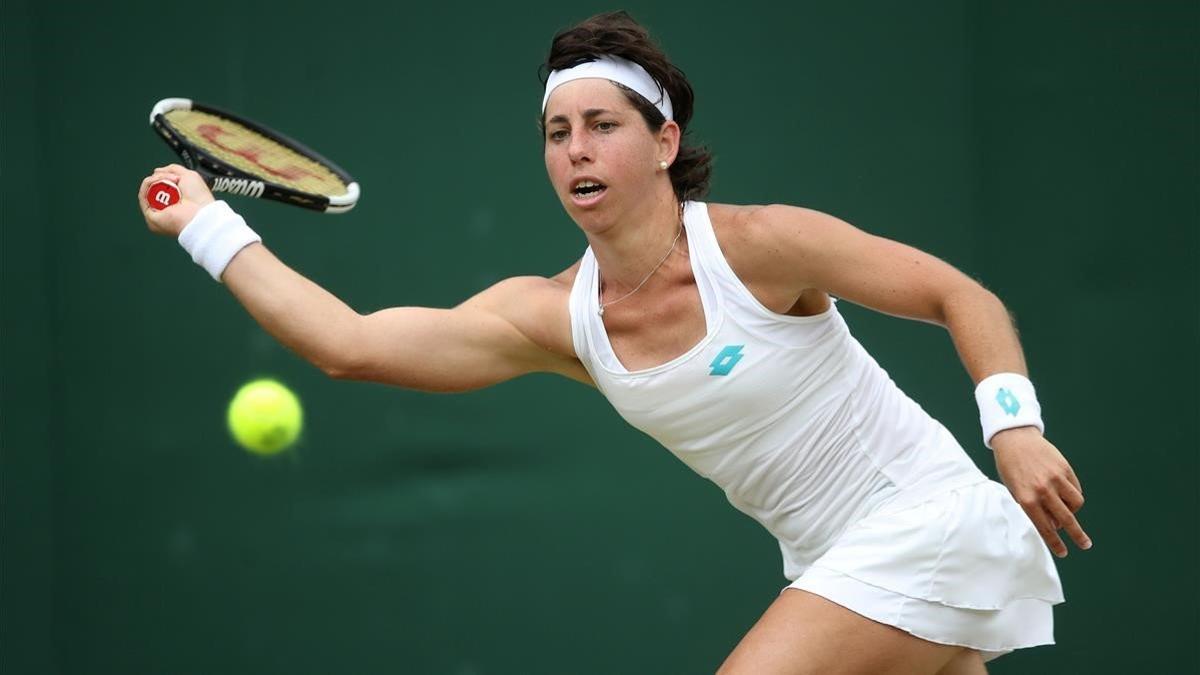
[[1042, 482]]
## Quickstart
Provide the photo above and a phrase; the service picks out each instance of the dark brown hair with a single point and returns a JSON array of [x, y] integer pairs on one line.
[[617, 34]]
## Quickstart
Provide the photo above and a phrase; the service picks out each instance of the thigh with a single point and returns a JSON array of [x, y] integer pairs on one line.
[[802, 633], [967, 662]]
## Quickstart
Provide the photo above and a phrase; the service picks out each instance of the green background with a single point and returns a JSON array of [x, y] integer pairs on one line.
[[1048, 149]]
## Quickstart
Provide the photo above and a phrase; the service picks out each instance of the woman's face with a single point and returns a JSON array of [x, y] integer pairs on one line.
[[601, 157]]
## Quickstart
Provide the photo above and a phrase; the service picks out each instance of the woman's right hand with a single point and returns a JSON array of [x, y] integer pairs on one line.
[[194, 195]]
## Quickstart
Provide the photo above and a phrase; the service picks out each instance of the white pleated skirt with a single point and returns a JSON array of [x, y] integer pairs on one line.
[[965, 567]]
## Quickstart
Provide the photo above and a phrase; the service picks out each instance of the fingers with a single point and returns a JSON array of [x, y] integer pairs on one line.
[[178, 174], [1074, 480], [154, 177], [1071, 496], [192, 186], [1046, 487], [1049, 531], [144, 188], [1065, 519], [1064, 504], [167, 173], [173, 168], [1054, 511], [172, 219], [171, 172]]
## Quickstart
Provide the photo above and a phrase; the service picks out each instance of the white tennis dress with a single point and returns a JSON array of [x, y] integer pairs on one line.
[[875, 505]]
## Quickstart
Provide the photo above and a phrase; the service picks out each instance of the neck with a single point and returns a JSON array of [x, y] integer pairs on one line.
[[629, 250]]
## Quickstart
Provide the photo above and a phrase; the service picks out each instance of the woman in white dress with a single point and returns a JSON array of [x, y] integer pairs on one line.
[[714, 329]]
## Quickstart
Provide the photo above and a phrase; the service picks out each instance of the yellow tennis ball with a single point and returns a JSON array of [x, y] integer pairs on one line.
[[265, 417]]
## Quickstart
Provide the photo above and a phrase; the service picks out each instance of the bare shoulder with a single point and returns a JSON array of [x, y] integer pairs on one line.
[[567, 276], [727, 217], [767, 245], [763, 227]]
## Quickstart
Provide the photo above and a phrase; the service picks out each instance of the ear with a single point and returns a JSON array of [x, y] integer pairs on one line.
[[668, 141]]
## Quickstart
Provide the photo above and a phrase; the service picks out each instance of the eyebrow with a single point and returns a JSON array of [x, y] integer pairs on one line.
[[588, 114]]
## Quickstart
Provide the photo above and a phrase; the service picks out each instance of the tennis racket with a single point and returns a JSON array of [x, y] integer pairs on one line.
[[241, 157]]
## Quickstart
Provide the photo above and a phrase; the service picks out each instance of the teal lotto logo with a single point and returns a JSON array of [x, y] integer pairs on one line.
[[1008, 402], [726, 360]]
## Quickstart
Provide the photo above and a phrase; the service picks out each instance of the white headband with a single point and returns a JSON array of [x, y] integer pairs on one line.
[[616, 69]]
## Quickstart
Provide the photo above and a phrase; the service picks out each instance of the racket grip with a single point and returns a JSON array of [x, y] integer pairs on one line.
[[161, 194]]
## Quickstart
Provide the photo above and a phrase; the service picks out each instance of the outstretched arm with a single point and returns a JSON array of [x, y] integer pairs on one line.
[[510, 329], [816, 250], [493, 337]]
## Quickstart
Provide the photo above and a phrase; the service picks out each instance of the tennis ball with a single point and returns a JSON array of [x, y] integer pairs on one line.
[[265, 417]]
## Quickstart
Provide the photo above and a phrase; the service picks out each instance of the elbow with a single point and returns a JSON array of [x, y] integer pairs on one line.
[[345, 363], [967, 298], [340, 359], [336, 367], [337, 371], [993, 300]]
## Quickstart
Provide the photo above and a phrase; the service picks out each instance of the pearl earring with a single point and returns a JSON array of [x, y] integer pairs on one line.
[[662, 164]]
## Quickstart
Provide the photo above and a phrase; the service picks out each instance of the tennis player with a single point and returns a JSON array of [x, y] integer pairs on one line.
[[714, 328]]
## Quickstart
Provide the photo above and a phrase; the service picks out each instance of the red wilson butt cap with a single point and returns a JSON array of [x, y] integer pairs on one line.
[[162, 193]]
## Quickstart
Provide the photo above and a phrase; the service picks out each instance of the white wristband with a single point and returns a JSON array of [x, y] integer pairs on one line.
[[214, 235], [1007, 401]]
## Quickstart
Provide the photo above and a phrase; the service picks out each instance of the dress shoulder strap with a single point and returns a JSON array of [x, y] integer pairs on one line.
[[734, 293], [577, 307], [703, 240]]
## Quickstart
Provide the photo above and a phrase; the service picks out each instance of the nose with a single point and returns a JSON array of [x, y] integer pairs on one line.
[[579, 148]]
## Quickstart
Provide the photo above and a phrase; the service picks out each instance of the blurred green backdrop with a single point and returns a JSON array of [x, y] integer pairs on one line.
[[1048, 149]]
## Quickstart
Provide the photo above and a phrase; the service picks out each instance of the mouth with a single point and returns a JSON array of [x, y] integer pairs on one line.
[[587, 191]]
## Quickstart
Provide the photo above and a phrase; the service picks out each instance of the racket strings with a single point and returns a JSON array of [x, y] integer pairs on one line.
[[254, 153]]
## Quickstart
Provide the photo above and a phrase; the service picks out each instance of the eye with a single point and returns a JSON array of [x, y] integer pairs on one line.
[[606, 127], [558, 135]]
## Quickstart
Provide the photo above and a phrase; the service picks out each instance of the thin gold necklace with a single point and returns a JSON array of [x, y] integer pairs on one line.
[[604, 305]]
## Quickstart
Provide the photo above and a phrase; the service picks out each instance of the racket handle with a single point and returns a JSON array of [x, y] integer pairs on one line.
[[161, 194]]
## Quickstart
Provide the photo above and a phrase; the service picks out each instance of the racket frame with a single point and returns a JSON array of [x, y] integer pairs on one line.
[[224, 177]]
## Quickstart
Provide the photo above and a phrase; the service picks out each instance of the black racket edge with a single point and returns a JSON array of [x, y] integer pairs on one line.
[[243, 183], [223, 177]]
